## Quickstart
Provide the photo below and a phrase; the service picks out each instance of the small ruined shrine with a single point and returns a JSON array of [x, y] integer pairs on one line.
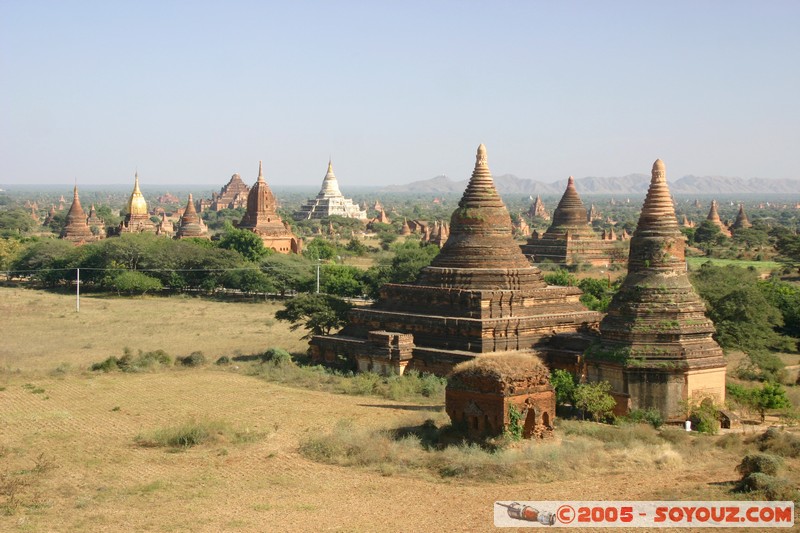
[[570, 238], [538, 210], [713, 217], [656, 347], [232, 195], [330, 202], [479, 295], [77, 229], [137, 219], [262, 219], [191, 225], [741, 222], [480, 394]]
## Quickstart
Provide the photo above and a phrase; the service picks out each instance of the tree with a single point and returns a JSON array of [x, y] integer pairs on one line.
[[564, 384], [596, 293], [243, 241], [769, 396], [595, 399], [320, 249], [318, 313], [15, 222], [708, 233], [743, 316], [288, 272], [133, 282], [342, 280]]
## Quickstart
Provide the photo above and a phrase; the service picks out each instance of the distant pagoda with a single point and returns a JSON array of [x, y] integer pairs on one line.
[[96, 223], [656, 345], [741, 222], [137, 219], [479, 295], [713, 217], [191, 225], [262, 219], [232, 195], [330, 202], [570, 238], [76, 229], [538, 210]]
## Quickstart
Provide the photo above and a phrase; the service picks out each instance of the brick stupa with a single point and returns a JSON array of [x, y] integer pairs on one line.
[[76, 229], [713, 217], [191, 225], [741, 222], [262, 219], [656, 345], [479, 295], [570, 238]]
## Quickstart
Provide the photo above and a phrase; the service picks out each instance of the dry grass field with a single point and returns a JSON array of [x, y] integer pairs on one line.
[[69, 458]]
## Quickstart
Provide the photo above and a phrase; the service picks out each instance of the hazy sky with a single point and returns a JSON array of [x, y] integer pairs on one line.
[[192, 91]]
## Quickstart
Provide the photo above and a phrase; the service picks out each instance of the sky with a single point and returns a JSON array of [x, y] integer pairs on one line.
[[189, 92]]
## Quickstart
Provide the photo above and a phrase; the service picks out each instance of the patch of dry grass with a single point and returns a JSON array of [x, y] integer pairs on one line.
[[42, 330]]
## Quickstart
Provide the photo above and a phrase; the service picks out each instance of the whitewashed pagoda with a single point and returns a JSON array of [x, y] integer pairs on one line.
[[330, 202]]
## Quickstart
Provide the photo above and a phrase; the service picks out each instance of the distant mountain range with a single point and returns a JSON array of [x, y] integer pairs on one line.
[[632, 184]]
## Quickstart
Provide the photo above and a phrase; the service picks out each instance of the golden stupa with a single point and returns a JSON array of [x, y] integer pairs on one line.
[[137, 219]]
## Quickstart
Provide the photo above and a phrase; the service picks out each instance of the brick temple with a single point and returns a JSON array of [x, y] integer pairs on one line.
[[262, 219], [713, 217], [77, 227], [480, 295], [570, 238], [656, 346]]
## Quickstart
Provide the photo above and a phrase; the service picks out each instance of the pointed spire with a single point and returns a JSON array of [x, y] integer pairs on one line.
[[658, 212], [260, 172], [480, 238]]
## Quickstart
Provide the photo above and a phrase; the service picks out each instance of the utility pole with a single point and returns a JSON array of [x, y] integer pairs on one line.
[[78, 291]]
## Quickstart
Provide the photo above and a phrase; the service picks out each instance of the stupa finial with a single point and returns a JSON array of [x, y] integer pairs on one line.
[[260, 171]]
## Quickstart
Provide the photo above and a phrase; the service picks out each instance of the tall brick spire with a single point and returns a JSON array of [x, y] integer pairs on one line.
[[656, 325], [481, 240]]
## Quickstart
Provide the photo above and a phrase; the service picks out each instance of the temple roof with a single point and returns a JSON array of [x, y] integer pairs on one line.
[[480, 236], [504, 368], [570, 217], [137, 206], [190, 223], [262, 209]]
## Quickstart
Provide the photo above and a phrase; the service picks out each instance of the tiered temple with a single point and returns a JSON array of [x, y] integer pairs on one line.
[[656, 346], [96, 223], [191, 225], [330, 201], [480, 295], [713, 217], [137, 219], [231, 195], [77, 229], [262, 219], [570, 238]]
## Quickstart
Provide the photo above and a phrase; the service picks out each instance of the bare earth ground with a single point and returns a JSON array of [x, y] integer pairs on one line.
[[79, 427]]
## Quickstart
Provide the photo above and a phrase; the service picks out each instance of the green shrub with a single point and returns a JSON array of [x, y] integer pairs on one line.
[[224, 360], [277, 356], [129, 363], [650, 416], [704, 418], [763, 463], [193, 359]]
